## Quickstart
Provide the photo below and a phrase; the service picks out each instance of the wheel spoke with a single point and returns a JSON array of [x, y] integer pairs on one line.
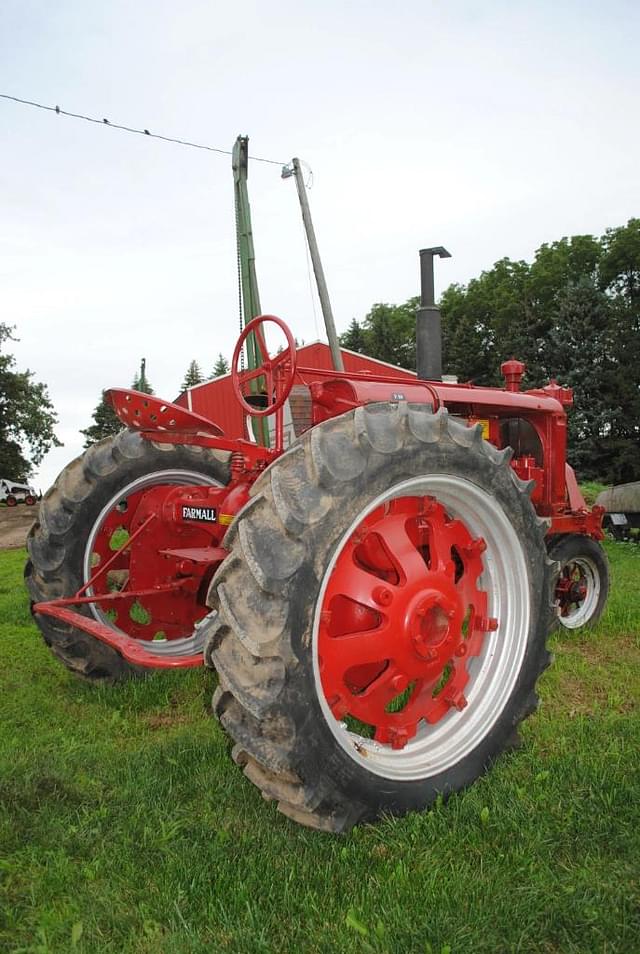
[[439, 548], [280, 362], [355, 649], [271, 396], [377, 696], [264, 353], [401, 548], [359, 585], [250, 374]]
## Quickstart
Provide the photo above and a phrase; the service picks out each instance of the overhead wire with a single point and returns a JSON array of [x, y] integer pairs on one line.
[[192, 145], [130, 129]]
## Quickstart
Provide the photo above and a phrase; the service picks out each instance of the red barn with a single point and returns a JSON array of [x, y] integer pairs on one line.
[[216, 401]]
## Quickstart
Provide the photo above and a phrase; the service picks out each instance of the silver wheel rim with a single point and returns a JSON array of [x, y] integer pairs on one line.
[[162, 647], [492, 676], [583, 612]]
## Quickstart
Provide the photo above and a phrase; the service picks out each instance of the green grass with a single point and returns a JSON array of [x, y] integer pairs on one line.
[[590, 490], [124, 826]]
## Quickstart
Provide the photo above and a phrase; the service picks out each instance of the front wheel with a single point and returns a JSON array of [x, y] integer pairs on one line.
[[382, 617], [582, 584]]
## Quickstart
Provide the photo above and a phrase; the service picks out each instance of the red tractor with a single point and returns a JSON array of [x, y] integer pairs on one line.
[[375, 598]]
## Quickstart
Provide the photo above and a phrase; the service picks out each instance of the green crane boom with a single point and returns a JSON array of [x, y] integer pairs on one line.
[[250, 303]]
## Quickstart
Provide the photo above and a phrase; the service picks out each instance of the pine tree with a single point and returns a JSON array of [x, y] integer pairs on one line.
[[220, 367], [106, 423], [140, 382], [193, 376], [354, 338]]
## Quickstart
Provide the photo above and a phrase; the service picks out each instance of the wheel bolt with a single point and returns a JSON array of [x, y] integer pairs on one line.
[[476, 547], [461, 650], [457, 701], [398, 738], [382, 595], [486, 624]]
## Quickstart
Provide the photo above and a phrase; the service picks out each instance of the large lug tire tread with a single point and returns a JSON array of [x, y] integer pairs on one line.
[[66, 515], [265, 594], [564, 549]]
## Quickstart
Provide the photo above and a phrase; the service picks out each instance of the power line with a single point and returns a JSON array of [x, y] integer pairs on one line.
[[130, 129]]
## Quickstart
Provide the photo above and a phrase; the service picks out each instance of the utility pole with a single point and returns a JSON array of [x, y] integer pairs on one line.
[[295, 170]]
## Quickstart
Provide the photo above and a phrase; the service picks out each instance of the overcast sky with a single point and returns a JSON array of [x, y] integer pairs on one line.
[[488, 127]]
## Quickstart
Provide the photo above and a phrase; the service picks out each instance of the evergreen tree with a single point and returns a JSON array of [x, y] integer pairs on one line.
[[354, 338], [106, 423], [27, 418], [220, 367], [140, 382], [193, 376]]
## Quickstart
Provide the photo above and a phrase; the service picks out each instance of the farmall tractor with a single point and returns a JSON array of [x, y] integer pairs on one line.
[[375, 597]]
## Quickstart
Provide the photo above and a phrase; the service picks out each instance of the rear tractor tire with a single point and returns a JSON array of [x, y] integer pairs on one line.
[[382, 616], [582, 584], [83, 519]]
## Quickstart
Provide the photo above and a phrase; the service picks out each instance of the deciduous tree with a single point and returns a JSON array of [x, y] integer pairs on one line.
[[27, 417]]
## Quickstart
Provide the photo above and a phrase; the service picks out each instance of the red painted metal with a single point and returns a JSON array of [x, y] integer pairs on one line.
[[206, 555], [132, 649], [576, 500], [278, 372], [401, 615], [588, 522], [513, 372], [149, 591], [216, 399], [527, 470], [144, 412], [168, 558], [571, 588], [345, 392]]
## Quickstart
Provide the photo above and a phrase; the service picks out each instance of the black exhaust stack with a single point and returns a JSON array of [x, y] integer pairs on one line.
[[428, 322]]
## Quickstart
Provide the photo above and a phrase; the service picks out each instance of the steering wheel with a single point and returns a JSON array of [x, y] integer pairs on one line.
[[278, 372]]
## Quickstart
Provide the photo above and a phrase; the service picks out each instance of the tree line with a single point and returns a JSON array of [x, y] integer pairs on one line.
[[572, 314]]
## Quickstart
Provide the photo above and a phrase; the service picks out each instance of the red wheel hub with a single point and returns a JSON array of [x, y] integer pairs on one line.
[[401, 615], [169, 613], [572, 588]]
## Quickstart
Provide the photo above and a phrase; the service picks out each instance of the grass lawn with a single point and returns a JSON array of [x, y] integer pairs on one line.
[[125, 827]]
